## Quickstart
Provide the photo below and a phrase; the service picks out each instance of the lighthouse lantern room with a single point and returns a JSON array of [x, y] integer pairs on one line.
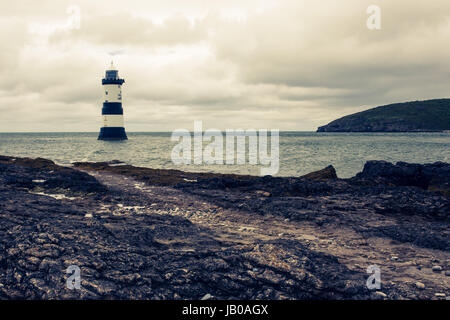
[[112, 112]]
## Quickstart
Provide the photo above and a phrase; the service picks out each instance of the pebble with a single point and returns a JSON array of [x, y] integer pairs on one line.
[[437, 268], [207, 297], [393, 258], [420, 285], [439, 295], [88, 215]]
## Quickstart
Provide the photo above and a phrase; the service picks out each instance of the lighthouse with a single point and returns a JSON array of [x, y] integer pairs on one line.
[[112, 112]]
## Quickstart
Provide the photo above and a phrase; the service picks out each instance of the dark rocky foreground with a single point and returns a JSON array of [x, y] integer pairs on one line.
[[139, 233]]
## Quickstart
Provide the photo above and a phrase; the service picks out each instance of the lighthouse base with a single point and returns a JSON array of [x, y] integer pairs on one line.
[[112, 133]]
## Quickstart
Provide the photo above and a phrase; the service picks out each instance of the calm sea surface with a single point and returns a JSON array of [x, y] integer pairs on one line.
[[300, 152]]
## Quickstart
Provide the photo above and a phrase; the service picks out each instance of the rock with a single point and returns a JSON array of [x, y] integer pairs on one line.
[[206, 297], [33, 260], [163, 256], [420, 285], [30, 173], [380, 294], [37, 283], [394, 258], [263, 193], [440, 295], [435, 176], [437, 268], [115, 162], [447, 273], [328, 173]]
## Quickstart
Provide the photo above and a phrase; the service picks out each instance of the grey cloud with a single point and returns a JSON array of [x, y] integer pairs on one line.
[[337, 51], [123, 29], [292, 65]]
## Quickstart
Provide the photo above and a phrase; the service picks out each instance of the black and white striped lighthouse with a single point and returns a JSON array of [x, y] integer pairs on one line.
[[112, 112]]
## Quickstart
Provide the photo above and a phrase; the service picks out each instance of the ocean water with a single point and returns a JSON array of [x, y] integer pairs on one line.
[[300, 152]]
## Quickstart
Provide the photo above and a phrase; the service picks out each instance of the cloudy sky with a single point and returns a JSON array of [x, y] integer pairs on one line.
[[288, 65]]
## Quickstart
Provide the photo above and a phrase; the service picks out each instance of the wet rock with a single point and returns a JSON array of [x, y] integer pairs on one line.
[[324, 174], [144, 256], [437, 268], [150, 256], [30, 173], [435, 176], [420, 285]]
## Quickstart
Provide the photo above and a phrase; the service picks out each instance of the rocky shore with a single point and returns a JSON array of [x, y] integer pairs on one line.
[[140, 233]]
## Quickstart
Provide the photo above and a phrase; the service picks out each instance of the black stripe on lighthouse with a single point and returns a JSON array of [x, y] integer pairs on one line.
[[112, 111]]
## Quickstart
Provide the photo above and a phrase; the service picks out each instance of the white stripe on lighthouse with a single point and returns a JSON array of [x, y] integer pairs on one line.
[[112, 120], [112, 93]]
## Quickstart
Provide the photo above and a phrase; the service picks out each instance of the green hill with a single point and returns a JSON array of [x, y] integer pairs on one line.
[[429, 115]]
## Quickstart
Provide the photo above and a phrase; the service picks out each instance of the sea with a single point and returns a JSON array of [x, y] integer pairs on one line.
[[299, 152]]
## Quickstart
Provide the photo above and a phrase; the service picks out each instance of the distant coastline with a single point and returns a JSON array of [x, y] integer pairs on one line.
[[415, 116]]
